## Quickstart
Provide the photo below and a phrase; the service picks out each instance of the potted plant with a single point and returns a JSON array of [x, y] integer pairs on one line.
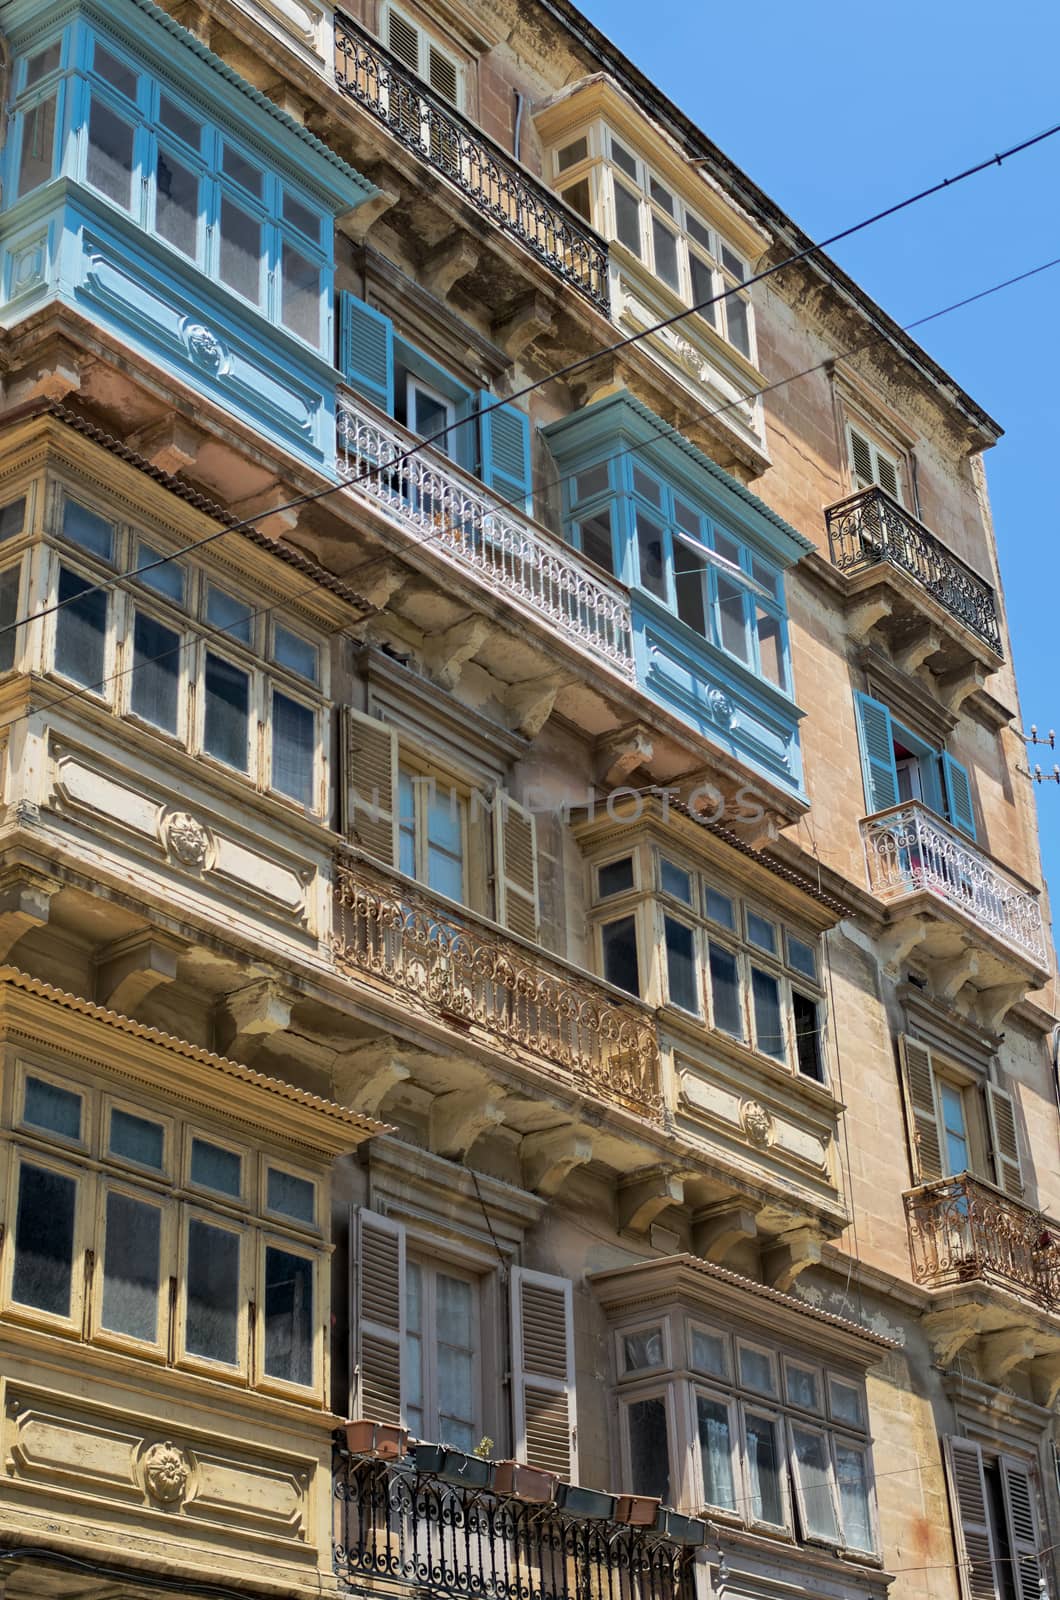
[[525, 1483], [679, 1528], [453, 1466], [385, 1441], [638, 1510], [592, 1505]]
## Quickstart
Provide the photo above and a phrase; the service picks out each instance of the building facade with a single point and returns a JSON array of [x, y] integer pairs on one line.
[[526, 1008]]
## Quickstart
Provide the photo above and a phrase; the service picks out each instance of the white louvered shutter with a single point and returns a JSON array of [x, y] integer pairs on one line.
[[921, 1110], [368, 785], [1004, 1141], [1024, 1533], [379, 1275], [976, 1563], [869, 465], [545, 1426], [515, 866]]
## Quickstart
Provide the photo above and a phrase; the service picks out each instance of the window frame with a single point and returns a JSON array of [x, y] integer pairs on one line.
[[84, 1181], [25, 1068], [424, 773], [262, 1240], [647, 1325], [193, 1211], [465, 1271], [156, 1349]]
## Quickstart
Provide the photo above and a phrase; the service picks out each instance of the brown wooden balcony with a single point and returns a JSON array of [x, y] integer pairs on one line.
[[494, 182], [962, 1230], [453, 966]]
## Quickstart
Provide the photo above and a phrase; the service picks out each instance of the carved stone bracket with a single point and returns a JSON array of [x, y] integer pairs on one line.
[[917, 647], [250, 1016], [447, 653], [644, 1195], [25, 898], [998, 1354], [951, 1329], [619, 754], [955, 687], [131, 969], [549, 1158], [717, 1230], [528, 320], [171, 444], [867, 612], [355, 224], [899, 940], [270, 510], [378, 581], [459, 1118], [790, 1254], [529, 703], [994, 1003], [448, 263], [948, 978]]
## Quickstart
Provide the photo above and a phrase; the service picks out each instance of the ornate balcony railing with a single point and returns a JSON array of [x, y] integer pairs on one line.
[[466, 971], [961, 1230], [395, 1525], [493, 181], [437, 504], [909, 849], [870, 527]]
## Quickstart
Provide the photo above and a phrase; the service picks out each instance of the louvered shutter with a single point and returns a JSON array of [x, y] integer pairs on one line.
[[366, 351], [959, 806], [887, 474], [380, 1299], [403, 38], [515, 865], [921, 1111], [504, 451], [860, 459], [1024, 1534], [876, 738], [442, 74], [545, 1426], [368, 785], [976, 1563], [1004, 1141]]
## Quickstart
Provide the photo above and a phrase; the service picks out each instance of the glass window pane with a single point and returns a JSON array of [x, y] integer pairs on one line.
[[681, 964], [445, 818], [445, 873], [665, 243], [88, 529], [233, 165], [806, 1017], [455, 1302], [954, 1127], [627, 218], [756, 1370], [649, 1449], [738, 323], [689, 582], [579, 197], [240, 250], [292, 651], [761, 932], [293, 748], [720, 908], [703, 290], [593, 481], [406, 825], [710, 1352], [769, 1026], [213, 1289], [48, 1106], [137, 1139], [803, 1387], [114, 71], [227, 712], [9, 585], [225, 612], [715, 1451], [302, 217], [38, 145], [177, 204], [619, 941], [167, 578], [596, 541], [216, 1168], [156, 673], [80, 630], [852, 1478], [698, 231], [44, 1240], [802, 956], [291, 1196], [624, 158], [675, 880], [177, 121], [814, 1478], [571, 154], [763, 1470], [300, 304], [110, 154], [648, 487], [614, 877], [732, 262], [770, 647], [732, 616], [288, 1316], [12, 518], [661, 195], [643, 1349], [132, 1267], [725, 991], [845, 1402], [651, 557], [44, 61]]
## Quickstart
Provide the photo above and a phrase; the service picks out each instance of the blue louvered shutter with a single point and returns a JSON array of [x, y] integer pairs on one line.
[[876, 738], [504, 451], [959, 806], [366, 351]]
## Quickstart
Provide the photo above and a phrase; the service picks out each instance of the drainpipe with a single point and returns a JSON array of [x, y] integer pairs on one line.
[[517, 135]]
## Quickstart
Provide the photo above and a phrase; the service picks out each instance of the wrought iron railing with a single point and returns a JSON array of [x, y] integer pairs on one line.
[[494, 182], [870, 527], [961, 1230], [395, 1525], [466, 971], [437, 504], [909, 849]]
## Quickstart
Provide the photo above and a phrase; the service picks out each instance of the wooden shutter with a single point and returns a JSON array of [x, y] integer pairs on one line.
[[886, 474], [1004, 1142], [403, 38], [442, 74], [366, 350], [544, 1429], [976, 1561], [1024, 1534], [959, 806], [504, 451], [368, 789], [876, 738], [860, 459], [921, 1111], [515, 865], [380, 1334]]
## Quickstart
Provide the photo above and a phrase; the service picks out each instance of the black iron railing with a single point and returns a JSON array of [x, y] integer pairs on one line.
[[480, 169], [870, 527], [396, 1525]]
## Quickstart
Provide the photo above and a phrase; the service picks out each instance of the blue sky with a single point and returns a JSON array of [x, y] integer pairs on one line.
[[837, 111]]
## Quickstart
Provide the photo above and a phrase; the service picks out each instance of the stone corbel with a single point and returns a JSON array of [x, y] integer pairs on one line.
[[447, 263], [925, 641], [131, 969], [865, 613], [899, 940], [1045, 1379], [171, 444], [529, 704], [951, 1329], [195, 18], [457, 1119], [362, 1078], [249, 1016], [717, 1230], [955, 687], [447, 653], [643, 1195], [25, 898], [948, 978], [1000, 1353], [526, 321], [619, 754], [760, 834], [789, 1254], [549, 1158], [994, 1003], [356, 224], [270, 510], [596, 381], [378, 581]]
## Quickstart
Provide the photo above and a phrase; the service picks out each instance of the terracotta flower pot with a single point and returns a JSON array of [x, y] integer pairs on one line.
[[526, 1483], [638, 1510], [383, 1440]]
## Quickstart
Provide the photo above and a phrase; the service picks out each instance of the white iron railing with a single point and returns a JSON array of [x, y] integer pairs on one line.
[[909, 849], [434, 502]]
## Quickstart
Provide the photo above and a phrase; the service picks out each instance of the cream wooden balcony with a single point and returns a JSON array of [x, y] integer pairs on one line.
[[435, 503]]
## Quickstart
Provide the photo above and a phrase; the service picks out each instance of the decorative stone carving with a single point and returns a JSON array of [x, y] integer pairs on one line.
[[205, 348], [187, 840], [166, 1473], [757, 1124], [720, 707]]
